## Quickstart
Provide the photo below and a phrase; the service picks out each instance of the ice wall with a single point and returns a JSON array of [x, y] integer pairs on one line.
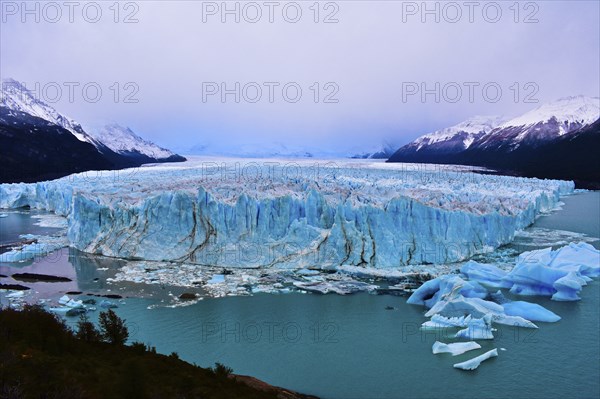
[[361, 216]]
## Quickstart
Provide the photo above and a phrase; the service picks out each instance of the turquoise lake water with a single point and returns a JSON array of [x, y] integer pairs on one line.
[[352, 347]]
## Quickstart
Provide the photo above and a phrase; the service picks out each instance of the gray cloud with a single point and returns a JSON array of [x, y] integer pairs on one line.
[[368, 54]]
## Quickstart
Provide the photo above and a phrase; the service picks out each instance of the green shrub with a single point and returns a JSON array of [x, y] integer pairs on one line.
[[113, 328]]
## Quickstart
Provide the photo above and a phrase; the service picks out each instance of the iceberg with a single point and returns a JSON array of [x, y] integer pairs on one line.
[[515, 321], [568, 287], [489, 275], [477, 329], [432, 291], [457, 348], [324, 216], [581, 257], [530, 311], [69, 302], [476, 361], [560, 274], [439, 321], [461, 306], [216, 279]]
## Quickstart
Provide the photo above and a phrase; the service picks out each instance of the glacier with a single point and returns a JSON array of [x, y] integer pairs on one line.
[[290, 214]]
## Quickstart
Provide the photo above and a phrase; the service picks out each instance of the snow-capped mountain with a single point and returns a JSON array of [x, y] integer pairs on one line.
[[455, 138], [543, 124], [17, 97], [381, 151], [565, 132], [37, 142], [124, 141], [569, 111], [33, 149]]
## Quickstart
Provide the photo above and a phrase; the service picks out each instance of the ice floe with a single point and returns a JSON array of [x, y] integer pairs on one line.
[[42, 247], [456, 348], [530, 311], [457, 302], [472, 364]]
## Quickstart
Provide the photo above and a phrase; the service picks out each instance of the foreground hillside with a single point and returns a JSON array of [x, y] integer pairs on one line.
[[42, 358]]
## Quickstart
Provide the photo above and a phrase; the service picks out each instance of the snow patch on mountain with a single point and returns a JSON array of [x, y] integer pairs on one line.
[[567, 111], [123, 140], [15, 96], [473, 127]]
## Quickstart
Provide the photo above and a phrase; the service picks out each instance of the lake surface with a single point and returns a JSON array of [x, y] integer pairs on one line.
[[353, 347]]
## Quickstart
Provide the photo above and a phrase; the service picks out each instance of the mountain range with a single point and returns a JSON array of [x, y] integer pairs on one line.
[[557, 140], [39, 143]]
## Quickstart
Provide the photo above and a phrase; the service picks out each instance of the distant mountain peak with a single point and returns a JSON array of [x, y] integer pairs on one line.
[[123, 140], [465, 132], [15, 96], [580, 109]]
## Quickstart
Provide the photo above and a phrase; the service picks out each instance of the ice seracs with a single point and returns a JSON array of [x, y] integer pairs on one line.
[[327, 216]]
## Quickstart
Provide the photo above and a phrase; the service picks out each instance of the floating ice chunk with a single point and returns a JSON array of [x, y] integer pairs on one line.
[[530, 311], [461, 306], [457, 348], [476, 361], [582, 258], [475, 332], [477, 329], [444, 286], [439, 321], [424, 292], [337, 287], [542, 256], [485, 274], [216, 279], [307, 272], [108, 304], [60, 309], [534, 279], [74, 304], [515, 321], [16, 294], [43, 247], [499, 297], [64, 300], [569, 287]]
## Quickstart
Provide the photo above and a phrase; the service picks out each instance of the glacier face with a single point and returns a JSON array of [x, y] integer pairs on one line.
[[290, 214]]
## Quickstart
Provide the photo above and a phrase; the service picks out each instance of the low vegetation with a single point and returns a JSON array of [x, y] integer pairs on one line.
[[41, 357]]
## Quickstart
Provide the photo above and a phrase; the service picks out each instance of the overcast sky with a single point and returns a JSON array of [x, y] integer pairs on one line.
[[367, 66]]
